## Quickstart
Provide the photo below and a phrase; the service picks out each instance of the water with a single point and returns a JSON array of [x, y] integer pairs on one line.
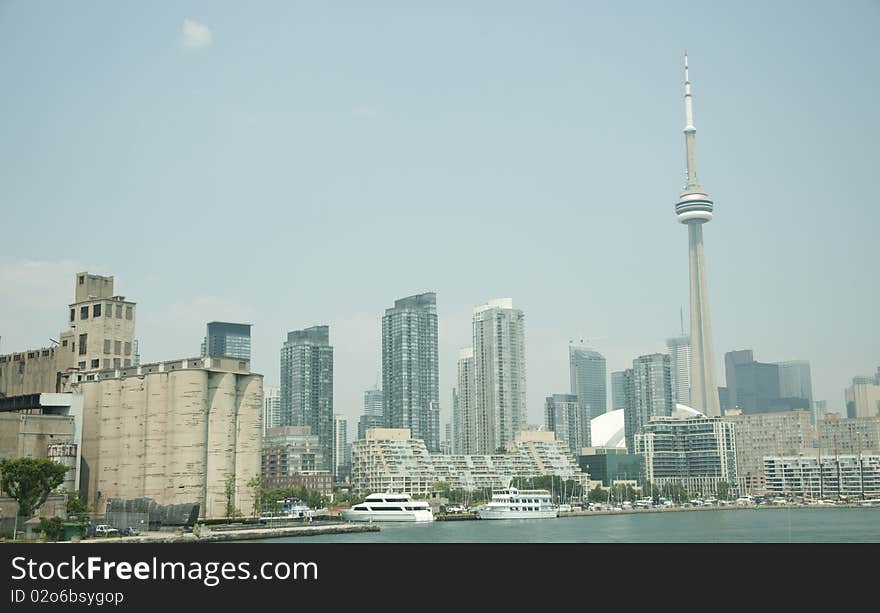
[[792, 525]]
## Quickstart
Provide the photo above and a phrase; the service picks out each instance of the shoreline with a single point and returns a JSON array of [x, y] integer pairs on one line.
[[245, 534]]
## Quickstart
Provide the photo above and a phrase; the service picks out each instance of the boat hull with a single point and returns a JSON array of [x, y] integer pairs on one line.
[[389, 516]]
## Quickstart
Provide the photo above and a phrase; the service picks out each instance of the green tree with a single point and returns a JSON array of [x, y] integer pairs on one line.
[[597, 494], [256, 485], [29, 481], [53, 528], [443, 487], [723, 490], [75, 506], [231, 511]]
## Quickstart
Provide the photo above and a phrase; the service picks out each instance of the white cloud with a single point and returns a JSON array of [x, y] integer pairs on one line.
[[195, 35]]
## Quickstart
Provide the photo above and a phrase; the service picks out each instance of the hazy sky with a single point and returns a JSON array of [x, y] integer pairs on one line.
[[292, 164]]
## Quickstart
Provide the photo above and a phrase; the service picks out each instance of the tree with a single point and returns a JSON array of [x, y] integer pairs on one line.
[[443, 487], [75, 505], [29, 481], [256, 485], [723, 490], [231, 511], [597, 494], [53, 528]]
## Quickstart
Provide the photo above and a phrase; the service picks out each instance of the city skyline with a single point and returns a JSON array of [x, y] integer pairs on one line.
[[145, 164]]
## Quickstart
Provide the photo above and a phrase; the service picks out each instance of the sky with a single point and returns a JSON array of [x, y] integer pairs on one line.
[[289, 164]]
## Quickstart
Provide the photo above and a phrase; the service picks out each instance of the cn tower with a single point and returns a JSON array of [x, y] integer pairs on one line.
[[693, 210]]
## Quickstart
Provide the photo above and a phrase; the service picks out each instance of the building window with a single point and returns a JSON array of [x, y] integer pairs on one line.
[[108, 312], [96, 363], [118, 311], [82, 279], [82, 365], [127, 362], [96, 310], [72, 314], [107, 345], [116, 362], [64, 343], [82, 343], [117, 347], [106, 363], [84, 312], [127, 348], [129, 313]]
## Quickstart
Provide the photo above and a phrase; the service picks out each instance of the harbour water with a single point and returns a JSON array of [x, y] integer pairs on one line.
[[787, 525]]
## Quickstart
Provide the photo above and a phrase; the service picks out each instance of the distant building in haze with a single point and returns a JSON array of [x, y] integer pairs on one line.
[[564, 416], [588, 380], [374, 414], [648, 393], [410, 368], [229, 340], [863, 396], [618, 390], [307, 386], [680, 355]]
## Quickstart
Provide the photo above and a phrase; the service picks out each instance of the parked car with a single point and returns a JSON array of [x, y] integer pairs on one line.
[[129, 531], [105, 530]]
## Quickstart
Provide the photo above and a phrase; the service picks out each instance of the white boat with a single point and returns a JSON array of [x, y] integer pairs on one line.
[[290, 509], [511, 503], [389, 507]]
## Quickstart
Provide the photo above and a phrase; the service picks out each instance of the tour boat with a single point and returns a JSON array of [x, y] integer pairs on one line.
[[511, 503], [389, 507]]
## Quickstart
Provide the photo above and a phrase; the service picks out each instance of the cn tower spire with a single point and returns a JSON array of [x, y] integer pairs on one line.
[[694, 209]]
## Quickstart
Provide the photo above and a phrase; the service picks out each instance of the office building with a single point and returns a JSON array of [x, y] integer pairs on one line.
[[850, 436], [697, 452], [230, 340], [648, 392], [341, 459], [863, 396], [767, 434], [566, 418], [611, 464], [410, 367], [291, 450], [373, 415], [588, 380], [271, 408], [618, 390], [307, 386], [464, 405], [499, 374], [680, 356], [731, 360]]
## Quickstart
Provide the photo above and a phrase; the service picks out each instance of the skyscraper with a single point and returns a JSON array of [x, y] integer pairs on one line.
[[340, 448], [373, 415], [648, 393], [499, 374], [225, 339], [410, 368], [618, 390], [564, 416], [694, 209], [588, 380], [464, 410], [307, 386], [680, 353], [271, 408], [731, 359]]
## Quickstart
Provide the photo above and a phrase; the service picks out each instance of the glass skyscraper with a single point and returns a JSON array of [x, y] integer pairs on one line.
[[680, 353], [307, 386], [373, 415], [410, 368], [229, 340], [618, 390], [588, 380], [648, 393], [564, 416]]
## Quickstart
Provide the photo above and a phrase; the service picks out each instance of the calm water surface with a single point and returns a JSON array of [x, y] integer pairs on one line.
[[795, 525]]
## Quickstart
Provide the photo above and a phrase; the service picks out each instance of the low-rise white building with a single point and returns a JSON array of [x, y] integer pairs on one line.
[[392, 459], [819, 477]]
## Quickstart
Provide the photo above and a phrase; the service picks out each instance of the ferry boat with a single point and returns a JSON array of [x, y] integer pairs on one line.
[[389, 507], [511, 503]]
